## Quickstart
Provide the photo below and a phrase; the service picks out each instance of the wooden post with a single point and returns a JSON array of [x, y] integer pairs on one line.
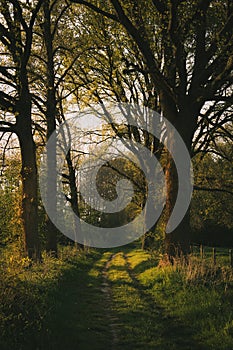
[[191, 249], [231, 257], [214, 256], [201, 251]]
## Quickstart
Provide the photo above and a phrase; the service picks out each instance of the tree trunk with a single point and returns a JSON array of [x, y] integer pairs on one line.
[[51, 230], [148, 238], [177, 242], [74, 197], [29, 177], [51, 188]]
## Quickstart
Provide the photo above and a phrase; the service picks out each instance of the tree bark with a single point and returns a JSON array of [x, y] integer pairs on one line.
[[177, 243], [29, 177], [51, 230], [74, 197]]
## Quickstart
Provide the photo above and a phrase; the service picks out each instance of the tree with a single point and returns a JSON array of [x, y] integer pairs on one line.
[[16, 41], [108, 175], [54, 63], [187, 50], [50, 114]]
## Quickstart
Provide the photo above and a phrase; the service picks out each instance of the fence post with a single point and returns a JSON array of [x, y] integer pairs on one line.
[[191, 249], [231, 257], [214, 256], [202, 251]]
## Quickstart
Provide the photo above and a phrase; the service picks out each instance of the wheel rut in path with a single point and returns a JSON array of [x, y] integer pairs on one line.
[[147, 324]]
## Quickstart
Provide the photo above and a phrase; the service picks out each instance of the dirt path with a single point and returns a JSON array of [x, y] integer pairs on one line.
[[102, 305], [113, 320], [79, 321]]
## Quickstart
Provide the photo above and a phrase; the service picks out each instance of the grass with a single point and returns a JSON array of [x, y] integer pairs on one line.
[[141, 320], [122, 299], [78, 320], [200, 296], [24, 292], [28, 294], [222, 255]]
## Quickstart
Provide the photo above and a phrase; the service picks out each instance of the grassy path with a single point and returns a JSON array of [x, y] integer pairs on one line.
[[80, 318], [102, 305], [142, 322], [115, 300]]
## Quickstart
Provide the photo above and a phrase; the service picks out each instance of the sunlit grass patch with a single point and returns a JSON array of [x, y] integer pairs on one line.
[[97, 268], [197, 294], [119, 276], [117, 271], [127, 298], [137, 257]]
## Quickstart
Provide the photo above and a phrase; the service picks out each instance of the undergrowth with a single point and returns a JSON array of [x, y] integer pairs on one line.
[[197, 293], [27, 294]]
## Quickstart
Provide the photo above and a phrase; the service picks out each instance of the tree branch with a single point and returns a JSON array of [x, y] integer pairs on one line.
[[96, 9], [17, 5], [146, 51], [7, 102], [34, 13], [160, 6], [7, 127], [226, 32], [198, 188]]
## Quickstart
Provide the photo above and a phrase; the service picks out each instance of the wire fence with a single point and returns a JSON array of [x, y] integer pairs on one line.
[[214, 255]]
